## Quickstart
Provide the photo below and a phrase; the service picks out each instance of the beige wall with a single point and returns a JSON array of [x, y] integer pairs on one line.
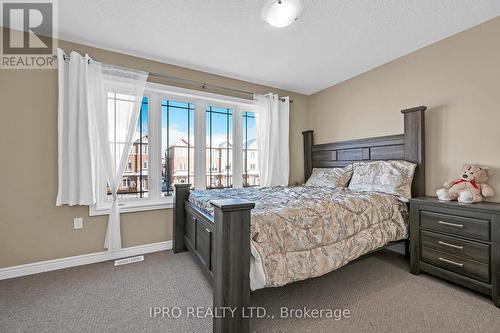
[[457, 78], [32, 228]]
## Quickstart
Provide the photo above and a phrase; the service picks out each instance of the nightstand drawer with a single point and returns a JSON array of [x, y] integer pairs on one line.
[[451, 245], [467, 267], [456, 225]]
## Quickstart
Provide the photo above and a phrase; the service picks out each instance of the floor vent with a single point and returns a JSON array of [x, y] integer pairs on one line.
[[128, 260]]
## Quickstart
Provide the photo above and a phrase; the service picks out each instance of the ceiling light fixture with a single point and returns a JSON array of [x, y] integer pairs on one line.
[[281, 13]]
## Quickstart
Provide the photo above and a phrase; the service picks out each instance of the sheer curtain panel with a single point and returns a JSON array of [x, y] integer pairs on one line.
[[272, 126], [115, 123]]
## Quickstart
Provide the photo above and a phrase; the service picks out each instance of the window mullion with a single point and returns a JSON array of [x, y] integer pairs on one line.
[[154, 174], [168, 150], [200, 145], [237, 160], [139, 182]]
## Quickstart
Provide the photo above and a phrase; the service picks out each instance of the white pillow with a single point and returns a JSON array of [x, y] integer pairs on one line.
[[391, 177], [330, 177]]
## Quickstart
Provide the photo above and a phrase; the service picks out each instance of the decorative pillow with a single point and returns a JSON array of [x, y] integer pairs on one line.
[[391, 177], [330, 177]]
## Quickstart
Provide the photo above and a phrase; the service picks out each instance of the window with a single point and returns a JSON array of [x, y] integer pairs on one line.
[[177, 144], [182, 136], [219, 147], [250, 149], [133, 174], [126, 182]]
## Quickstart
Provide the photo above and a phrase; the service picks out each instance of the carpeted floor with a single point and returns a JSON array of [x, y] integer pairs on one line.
[[379, 292]]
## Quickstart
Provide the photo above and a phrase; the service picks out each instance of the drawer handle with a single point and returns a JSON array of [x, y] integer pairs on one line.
[[451, 224], [451, 245], [451, 262]]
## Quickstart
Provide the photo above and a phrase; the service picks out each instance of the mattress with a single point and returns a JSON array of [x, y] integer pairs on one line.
[[300, 232]]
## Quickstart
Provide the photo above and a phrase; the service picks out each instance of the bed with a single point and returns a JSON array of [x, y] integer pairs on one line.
[[301, 232], [247, 239]]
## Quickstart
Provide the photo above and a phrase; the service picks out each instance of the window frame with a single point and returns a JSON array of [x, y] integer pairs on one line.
[[201, 100], [172, 97], [219, 153]]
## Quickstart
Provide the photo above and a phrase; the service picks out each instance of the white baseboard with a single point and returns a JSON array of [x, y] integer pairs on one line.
[[85, 259]]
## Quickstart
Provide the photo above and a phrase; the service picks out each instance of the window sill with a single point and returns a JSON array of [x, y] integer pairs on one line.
[[132, 206]]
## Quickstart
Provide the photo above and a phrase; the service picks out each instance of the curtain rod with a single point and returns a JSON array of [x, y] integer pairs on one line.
[[203, 84]]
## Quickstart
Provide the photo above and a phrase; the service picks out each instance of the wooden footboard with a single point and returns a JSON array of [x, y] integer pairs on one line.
[[221, 247]]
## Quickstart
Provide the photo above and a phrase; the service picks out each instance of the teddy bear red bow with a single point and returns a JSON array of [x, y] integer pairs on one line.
[[469, 188]]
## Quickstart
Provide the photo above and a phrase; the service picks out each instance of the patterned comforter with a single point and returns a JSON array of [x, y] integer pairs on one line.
[[301, 232]]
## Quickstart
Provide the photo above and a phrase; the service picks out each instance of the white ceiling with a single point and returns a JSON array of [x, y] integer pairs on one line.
[[334, 40]]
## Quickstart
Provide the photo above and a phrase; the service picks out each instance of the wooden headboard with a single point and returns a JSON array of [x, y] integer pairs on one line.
[[409, 146]]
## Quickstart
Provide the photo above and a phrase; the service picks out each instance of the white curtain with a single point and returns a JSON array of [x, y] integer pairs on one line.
[[116, 121], [94, 133], [76, 153], [272, 126]]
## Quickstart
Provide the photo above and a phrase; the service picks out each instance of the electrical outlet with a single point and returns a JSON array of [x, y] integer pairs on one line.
[[78, 223]]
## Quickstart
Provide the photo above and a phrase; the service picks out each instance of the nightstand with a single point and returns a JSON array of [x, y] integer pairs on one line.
[[457, 242]]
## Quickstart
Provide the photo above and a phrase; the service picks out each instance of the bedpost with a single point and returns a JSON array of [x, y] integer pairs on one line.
[[414, 126], [308, 144], [231, 286], [181, 194]]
